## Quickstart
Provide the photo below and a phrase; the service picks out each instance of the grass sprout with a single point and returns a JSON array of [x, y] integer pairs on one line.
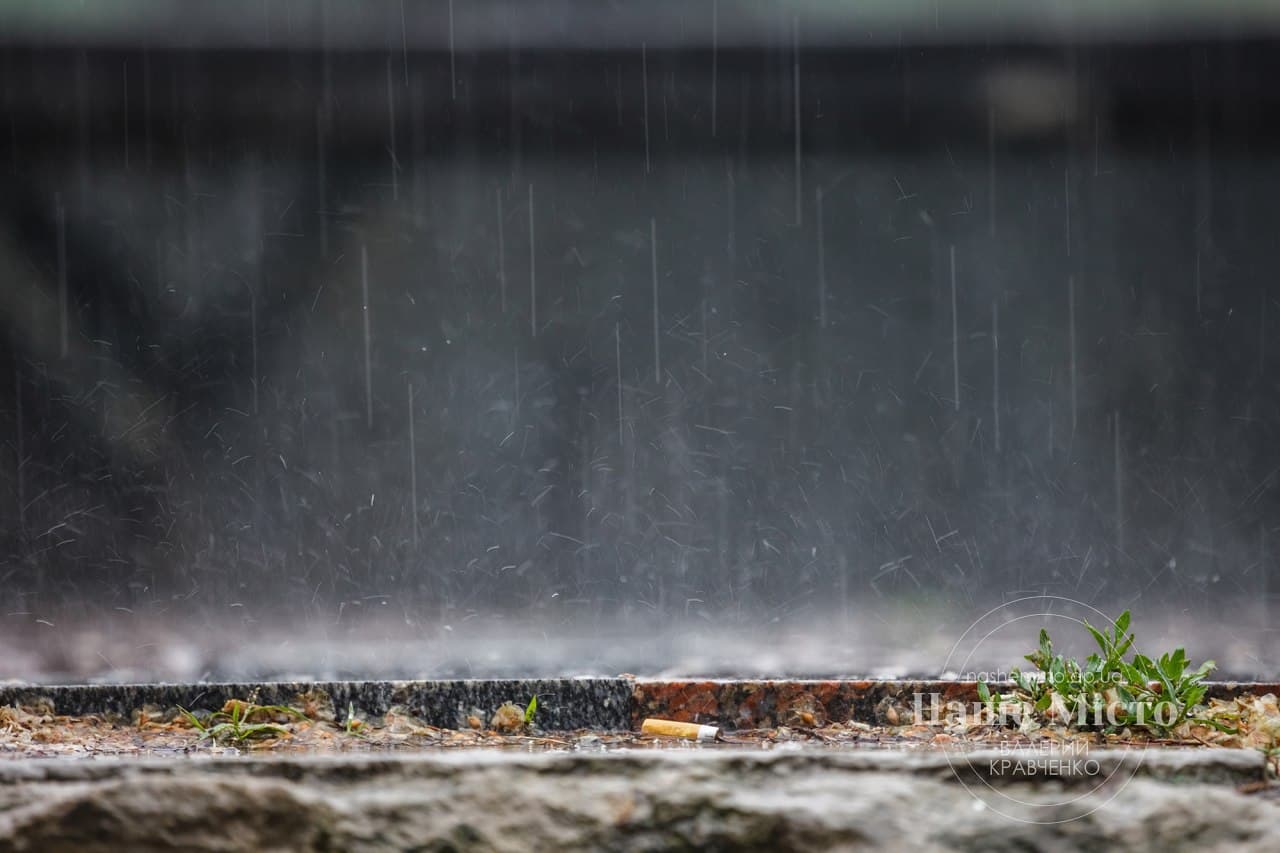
[[240, 722]]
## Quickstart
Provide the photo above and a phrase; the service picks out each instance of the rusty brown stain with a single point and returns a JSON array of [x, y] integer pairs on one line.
[[752, 703]]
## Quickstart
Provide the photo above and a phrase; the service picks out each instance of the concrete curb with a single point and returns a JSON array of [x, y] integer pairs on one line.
[[565, 704], [694, 799]]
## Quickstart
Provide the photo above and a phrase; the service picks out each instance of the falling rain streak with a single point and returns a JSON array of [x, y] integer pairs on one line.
[[822, 262], [124, 72], [617, 361], [391, 134], [795, 106], [368, 344], [453, 58], [1119, 483], [533, 272], [1071, 346], [404, 40], [413, 471], [991, 169], [1262, 333], [653, 266], [715, 62], [955, 336], [64, 327], [995, 372], [644, 78], [1066, 204], [1198, 311], [502, 254], [20, 459], [253, 338], [322, 183]]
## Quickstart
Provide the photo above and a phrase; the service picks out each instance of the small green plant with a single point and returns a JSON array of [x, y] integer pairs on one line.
[[989, 700], [353, 725], [1270, 749], [530, 711], [234, 723], [1107, 691], [1271, 759]]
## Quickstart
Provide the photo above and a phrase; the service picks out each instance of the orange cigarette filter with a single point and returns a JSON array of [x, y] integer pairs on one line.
[[687, 731]]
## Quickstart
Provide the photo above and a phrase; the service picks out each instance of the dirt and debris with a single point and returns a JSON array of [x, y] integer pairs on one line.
[[309, 725], [508, 719], [25, 733]]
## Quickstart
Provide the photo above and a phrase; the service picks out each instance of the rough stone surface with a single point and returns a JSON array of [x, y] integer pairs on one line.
[[692, 799], [763, 703], [563, 703], [751, 704]]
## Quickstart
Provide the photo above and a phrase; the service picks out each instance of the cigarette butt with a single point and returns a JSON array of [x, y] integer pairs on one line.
[[688, 731]]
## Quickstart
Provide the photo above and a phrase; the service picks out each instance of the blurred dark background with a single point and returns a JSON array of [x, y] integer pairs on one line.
[[412, 314]]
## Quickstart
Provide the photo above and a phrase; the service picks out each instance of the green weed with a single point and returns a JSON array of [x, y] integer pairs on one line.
[[1107, 691], [234, 724], [354, 725]]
